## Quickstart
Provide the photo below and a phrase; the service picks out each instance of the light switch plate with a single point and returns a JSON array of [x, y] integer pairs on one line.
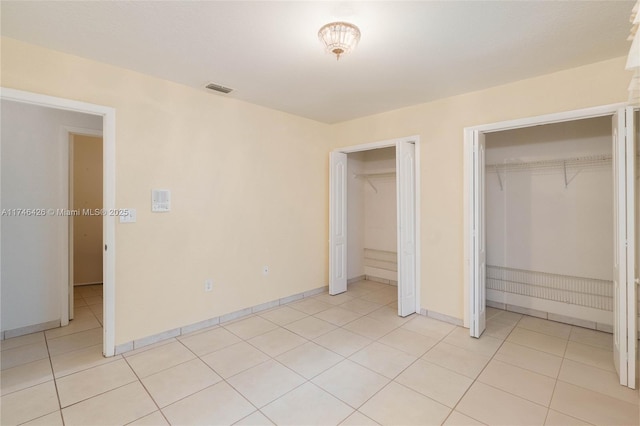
[[160, 200], [129, 218]]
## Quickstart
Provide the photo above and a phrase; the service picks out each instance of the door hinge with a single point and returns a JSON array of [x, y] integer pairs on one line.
[[105, 247]]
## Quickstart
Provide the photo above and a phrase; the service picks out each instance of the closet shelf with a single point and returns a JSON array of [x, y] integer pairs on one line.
[[582, 162], [564, 164], [368, 176]]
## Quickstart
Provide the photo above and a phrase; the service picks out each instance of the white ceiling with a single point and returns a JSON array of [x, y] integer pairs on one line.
[[410, 52]]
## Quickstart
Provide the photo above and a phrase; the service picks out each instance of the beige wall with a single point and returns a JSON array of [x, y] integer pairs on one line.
[[249, 184], [440, 126], [87, 195]]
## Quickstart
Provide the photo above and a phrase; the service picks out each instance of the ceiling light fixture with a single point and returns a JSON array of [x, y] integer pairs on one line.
[[339, 37]]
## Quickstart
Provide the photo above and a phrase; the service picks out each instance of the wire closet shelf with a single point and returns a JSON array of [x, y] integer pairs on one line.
[[573, 162], [570, 167]]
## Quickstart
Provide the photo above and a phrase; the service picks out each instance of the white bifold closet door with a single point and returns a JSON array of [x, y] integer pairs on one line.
[[624, 274], [479, 260], [337, 223], [406, 234]]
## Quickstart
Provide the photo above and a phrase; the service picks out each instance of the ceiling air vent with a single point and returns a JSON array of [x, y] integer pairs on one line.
[[218, 88]]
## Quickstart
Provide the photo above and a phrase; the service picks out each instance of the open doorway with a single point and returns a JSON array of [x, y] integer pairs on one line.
[[570, 290], [21, 313], [381, 243], [85, 228]]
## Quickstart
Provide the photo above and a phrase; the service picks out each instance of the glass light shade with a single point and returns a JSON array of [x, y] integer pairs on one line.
[[339, 37], [633, 59], [634, 89]]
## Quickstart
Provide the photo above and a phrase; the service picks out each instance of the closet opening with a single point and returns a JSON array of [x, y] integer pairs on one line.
[[372, 255], [550, 223], [374, 224]]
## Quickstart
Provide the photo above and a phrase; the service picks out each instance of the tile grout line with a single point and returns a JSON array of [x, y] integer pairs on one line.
[[378, 341], [355, 409], [392, 380], [53, 376], [101, 393], [556, 378], [146, 390], [285, 366], [55, 383], [555, 383], [563, 357], [223, 379], [480, 373], [275, 360]]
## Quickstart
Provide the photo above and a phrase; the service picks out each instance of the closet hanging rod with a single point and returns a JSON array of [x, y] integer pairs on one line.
[[367, 177], [374, 174]]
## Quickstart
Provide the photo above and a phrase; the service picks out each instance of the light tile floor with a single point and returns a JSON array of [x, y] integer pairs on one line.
[[323, 360]]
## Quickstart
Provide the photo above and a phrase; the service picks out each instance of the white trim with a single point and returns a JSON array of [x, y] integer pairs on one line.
[[201, 325], [418, 288], [379, 144], [441, 317], [109, 142], [63, 252], [392, 143], [82, 131], [71, 243], [558, 117], [598, 111]]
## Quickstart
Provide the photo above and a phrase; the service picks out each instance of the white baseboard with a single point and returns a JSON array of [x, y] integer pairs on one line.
[[231, 316], [356, 279], [442, 317], [566, 319], [21, 331], [381, 280]]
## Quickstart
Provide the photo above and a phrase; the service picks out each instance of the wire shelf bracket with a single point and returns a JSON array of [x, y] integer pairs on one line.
[[567, 181], [499, 178]]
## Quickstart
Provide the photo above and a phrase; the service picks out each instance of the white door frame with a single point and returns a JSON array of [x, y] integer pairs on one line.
[[67, 143], [470, 284], [391, 143], [108, 115]]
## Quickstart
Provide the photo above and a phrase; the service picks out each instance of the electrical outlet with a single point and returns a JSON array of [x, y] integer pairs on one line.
[[208, 285], [265, 270]]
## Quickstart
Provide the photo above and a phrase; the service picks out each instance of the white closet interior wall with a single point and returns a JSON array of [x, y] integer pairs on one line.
[[550, 227], [355, 217]]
